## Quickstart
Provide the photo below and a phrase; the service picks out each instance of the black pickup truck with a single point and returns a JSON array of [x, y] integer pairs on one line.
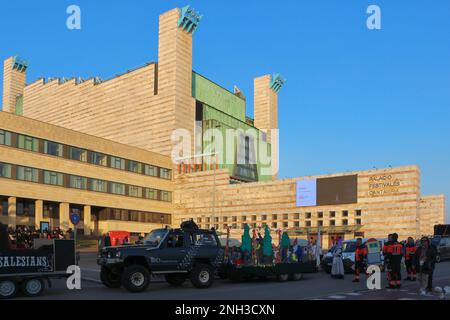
[[178, 254]]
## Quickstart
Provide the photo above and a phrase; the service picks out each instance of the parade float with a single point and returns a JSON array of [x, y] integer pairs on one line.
[[259, 258]]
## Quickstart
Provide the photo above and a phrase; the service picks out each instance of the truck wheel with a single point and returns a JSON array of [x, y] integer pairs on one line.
[[33, 287], [109, 278], [136, 278], [175, 280], [8, 289], [202, 276], [283, 277], [295, 276]]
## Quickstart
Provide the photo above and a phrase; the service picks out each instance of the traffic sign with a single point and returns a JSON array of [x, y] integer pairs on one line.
[[75, 218]]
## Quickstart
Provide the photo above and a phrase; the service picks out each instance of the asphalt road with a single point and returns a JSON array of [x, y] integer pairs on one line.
[[312, 286]]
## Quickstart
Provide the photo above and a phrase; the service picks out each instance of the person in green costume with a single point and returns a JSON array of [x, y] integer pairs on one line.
[[285, 244], [246, 247], [267, 246]]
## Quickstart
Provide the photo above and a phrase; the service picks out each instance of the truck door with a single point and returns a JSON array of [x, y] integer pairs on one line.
[[172, 252]]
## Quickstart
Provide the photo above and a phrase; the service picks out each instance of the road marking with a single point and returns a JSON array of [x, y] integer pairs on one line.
[[406, 299], [354, 294], [413, 293], [336, 297]]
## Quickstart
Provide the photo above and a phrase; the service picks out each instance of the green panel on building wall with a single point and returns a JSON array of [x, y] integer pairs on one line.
[[208, 92], [19, 105], [215, 119]]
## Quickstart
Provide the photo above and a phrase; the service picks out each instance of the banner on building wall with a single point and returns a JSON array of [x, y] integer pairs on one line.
[[327, 191], [307, 193]]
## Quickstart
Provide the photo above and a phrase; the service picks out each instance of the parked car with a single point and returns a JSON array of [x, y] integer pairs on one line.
[[348, 256], [442, 244]]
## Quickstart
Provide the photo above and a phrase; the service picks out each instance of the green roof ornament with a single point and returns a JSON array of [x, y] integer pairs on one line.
[[267, 242], [189, 19], [277, 82], [19, 64]]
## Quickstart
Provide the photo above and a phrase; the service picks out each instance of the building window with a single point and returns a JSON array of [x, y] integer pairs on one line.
[[308, 215], [319, 215], [358, 213], [150, 170], [285, 216], [134, 166], [25, 208], [166, 196], [134, 191], [98, 185], [254, 218], [296, 224], [117, 163], [274, 225], [77, 182], [358, 222], [244, 218], [78, 154], [151, 194], [345, 213], [5, 170], [28, 143], [165, 173], [308, 223], [98, 159], [208, 219], [234, 219], [332, 214], [118, 188], [264, 217], [27, 174], [274, 217], [296, 216], [5, 138], [320, 223], [285, 224], [53, 178], [345, 222], [53, 148], [332, 223]]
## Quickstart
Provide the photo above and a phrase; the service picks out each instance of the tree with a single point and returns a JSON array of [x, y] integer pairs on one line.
[[267, 243], [285, 241], [246, 239]]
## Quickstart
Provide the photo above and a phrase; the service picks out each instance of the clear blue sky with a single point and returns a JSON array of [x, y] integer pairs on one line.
[[355, 99]]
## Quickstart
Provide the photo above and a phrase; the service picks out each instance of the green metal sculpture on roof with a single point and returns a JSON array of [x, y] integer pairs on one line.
[[189, 19], [277, 82]]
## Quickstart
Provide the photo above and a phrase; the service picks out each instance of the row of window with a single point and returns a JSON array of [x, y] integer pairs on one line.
[[20, 141], [275, 225], [264, 217], [83, 183]]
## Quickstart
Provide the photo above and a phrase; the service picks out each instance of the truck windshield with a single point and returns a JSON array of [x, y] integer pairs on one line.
[[155, 237], [349, 247]]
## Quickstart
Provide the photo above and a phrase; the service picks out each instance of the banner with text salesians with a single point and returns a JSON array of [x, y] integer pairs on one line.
[[26, 261]]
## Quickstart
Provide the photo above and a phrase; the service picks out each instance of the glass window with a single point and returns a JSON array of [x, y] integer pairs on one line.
[[28, 143], [98, 185], [117, 163], [332, 223], [78, 182], [151, 170], [345, 222], [78, 154], [134, 166], [296, 224], [308, 215], [118, 188], [53, 178], [53, 148], [134, 191], [99, 159], [203, 239], [166, 196], [358, 222], [151, 194], [27, 174], [345, 213], [320, 214], [5, 170], [308, 223], [5, 138], [358, 213], [165, 173]]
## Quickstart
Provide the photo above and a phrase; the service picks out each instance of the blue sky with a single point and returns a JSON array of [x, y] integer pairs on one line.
[[355, 98]]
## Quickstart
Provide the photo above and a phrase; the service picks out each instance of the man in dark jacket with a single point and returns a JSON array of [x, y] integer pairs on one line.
[[424, 261]]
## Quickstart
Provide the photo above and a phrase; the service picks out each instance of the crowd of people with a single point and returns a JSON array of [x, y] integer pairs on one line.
[[23, 237], [419, 258]]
